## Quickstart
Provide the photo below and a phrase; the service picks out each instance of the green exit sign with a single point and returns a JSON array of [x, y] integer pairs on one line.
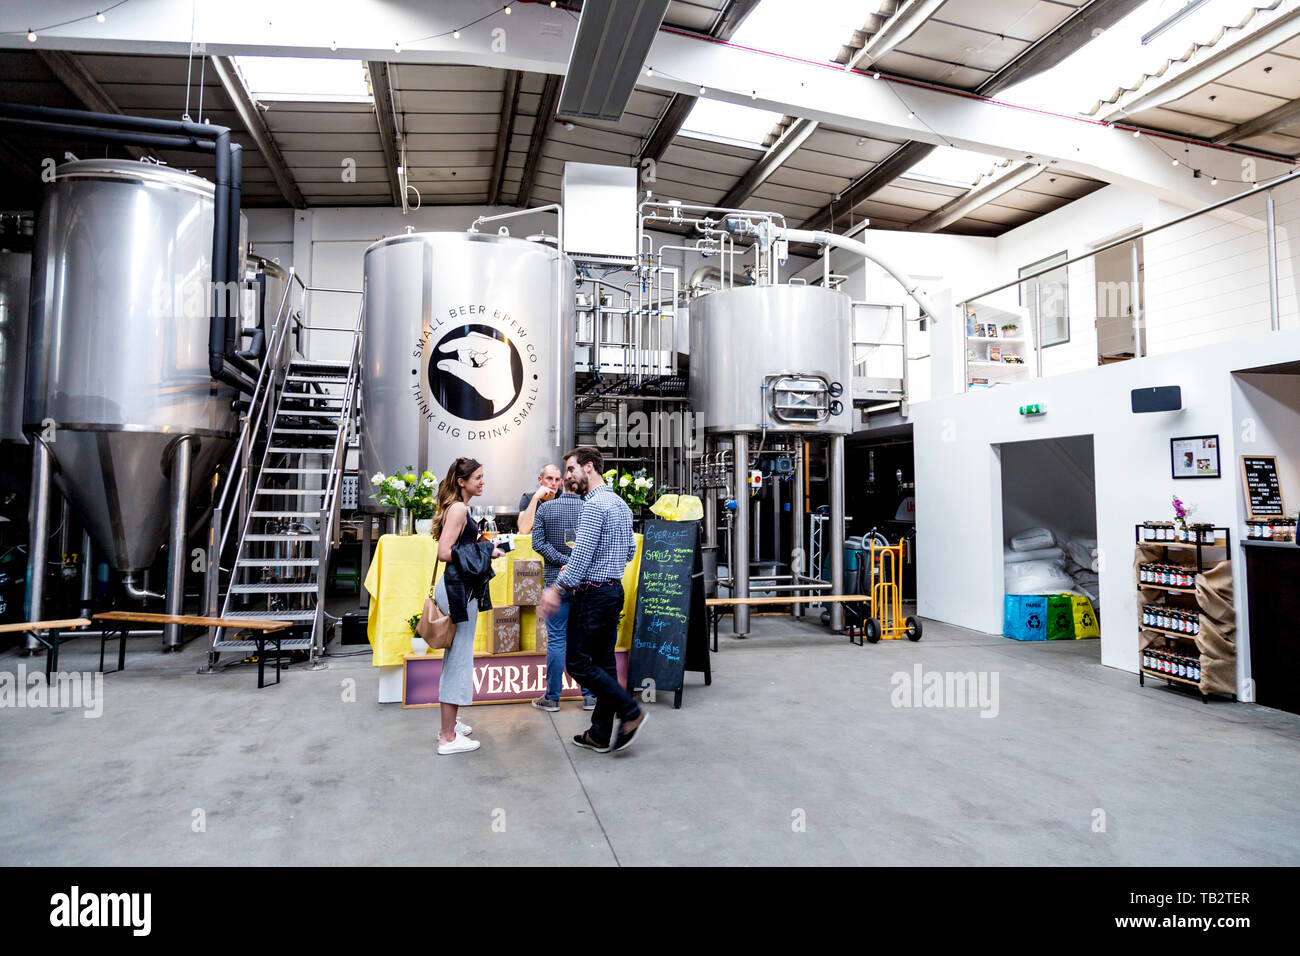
[[1031, 409]]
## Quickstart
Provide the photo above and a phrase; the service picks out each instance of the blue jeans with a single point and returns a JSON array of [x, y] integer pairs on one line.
[[556, 630]]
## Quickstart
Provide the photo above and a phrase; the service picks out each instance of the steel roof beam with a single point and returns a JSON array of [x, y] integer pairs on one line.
[[381, 91], [69, 71], [509, 107], [964, 205], [541, 130], [251, 117], [1288, 114]]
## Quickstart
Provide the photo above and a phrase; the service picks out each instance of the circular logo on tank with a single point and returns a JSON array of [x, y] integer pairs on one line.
[[475, 372]]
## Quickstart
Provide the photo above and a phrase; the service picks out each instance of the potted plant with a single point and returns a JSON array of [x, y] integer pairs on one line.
[[406, 493], [1010, 330], [1181, 513]]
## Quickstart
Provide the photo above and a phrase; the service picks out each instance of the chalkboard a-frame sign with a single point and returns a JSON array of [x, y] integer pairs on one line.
[[668, 633]]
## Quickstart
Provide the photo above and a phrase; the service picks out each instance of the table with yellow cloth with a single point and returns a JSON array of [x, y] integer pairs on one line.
[[398, 583]]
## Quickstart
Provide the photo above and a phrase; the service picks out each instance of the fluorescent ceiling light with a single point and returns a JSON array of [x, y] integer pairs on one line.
[[304, 79], [729, 123], [957, 167]]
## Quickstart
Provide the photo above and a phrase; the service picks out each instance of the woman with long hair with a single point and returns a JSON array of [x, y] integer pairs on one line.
[[462, 592]]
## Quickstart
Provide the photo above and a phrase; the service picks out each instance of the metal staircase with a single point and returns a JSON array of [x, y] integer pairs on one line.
[[286, 500]]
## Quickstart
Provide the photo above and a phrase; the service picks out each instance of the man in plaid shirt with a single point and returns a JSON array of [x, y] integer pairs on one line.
[[593, 577], [553, 523]]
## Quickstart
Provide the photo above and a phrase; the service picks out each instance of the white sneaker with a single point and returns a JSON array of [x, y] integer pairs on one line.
[[461, 745], [463, 729]]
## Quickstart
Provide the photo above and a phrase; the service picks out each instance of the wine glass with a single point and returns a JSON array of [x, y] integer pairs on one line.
[[570, 537]]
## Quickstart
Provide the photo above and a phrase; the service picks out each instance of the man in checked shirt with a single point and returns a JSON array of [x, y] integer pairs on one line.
[[593, 577], [553, 530]]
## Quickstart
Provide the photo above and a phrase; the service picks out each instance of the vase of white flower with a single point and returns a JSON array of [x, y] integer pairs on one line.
[[411, 496]]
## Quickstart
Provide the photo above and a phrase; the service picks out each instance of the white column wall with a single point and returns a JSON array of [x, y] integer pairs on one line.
[[958, 475]]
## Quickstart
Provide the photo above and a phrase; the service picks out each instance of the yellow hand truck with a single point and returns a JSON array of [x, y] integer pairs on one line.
[[888, 622]]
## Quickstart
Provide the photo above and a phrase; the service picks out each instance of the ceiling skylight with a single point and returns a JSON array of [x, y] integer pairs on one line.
[[729, 123], [822, 27], [304, 79], [958, 167], [1119, 58]]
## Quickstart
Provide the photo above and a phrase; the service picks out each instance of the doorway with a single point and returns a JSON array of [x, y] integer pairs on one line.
[[1117, 298], [1049, 518]]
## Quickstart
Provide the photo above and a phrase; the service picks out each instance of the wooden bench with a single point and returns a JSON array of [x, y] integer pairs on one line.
[[52, 644], [852, 603], [120, 621]]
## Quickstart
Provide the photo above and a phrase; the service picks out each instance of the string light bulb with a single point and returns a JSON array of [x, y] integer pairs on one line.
[[1214, 180], [397, 48], [753, 94], [701, 91], [649, 71], [911, 115], [31, 36], [507, 9], [334, 45], [552, 4], [1137, 133], [1175, 162], [99, 15], [455, 34], [875, 75]]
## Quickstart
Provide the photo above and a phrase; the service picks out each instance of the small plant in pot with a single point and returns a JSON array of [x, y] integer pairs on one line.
[[1010, 330]]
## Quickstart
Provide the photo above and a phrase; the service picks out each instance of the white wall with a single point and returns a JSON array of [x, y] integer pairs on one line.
[[958, 477]]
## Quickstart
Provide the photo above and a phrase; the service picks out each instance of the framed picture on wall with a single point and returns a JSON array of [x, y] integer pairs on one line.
[[1194, 457]]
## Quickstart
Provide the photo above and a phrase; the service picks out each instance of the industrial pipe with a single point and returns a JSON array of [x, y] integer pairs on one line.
[[835, 478], [182, 456], [38, 524], [87, 574], [559, 213], [138, 594], [910, 285], [740, 532]]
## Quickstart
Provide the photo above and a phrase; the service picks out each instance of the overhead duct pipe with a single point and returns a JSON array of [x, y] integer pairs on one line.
[[910, 285], [224, 364]]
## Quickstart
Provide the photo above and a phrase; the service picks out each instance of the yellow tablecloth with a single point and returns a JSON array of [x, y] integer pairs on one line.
[[398, 583]]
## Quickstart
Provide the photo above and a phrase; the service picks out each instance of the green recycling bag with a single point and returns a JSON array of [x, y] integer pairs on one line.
[[1060, 617], [1085, 618]]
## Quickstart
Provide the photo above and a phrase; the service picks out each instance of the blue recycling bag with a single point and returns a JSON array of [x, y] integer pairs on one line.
[[1025, 617]]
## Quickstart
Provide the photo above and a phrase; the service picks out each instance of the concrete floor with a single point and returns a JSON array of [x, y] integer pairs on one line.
[[1080, 766]]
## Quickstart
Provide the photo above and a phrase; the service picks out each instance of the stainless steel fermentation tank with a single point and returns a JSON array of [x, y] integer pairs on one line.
[[468, 351], [118, 367], [773, 361], [774, 358]]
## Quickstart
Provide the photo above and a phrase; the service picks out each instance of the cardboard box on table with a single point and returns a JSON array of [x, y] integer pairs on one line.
[[503, 629], [526, 581]]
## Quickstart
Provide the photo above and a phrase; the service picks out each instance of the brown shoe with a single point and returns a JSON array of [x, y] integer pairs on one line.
[[627, 731]]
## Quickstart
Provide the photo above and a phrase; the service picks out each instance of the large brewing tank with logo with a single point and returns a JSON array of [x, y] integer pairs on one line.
[[468, 351], [118, 346], [774, 358]]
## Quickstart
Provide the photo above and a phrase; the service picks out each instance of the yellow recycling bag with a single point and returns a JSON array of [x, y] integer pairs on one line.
[[1085, 618]]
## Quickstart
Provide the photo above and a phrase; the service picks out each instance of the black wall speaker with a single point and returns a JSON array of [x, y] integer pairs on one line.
[[1162, 398]]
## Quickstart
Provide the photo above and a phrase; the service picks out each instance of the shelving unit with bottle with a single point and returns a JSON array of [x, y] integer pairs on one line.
[[1172, 647]]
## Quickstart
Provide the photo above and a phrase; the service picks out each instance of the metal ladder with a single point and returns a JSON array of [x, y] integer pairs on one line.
[[286, 500]]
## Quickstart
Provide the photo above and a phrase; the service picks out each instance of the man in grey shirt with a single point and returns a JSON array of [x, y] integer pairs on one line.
[[556, 520], [548, 483]]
